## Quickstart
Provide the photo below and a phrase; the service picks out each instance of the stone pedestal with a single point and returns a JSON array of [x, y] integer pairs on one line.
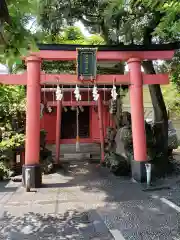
[[138, 171], [35, 175]]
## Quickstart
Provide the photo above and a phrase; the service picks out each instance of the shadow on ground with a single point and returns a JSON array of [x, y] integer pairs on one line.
[[71, 225], [125, 207], [5, 187], [95, 179]]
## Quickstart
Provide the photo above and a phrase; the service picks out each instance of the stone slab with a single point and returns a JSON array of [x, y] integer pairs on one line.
[[76, 156]]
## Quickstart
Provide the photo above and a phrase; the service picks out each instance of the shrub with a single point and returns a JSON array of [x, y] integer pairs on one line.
[[7, 153], [12, 143], [5, 172]]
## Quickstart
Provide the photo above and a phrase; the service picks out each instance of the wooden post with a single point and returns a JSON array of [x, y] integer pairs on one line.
[[137, 118], [58, 130], [101, 127], [32, 143]]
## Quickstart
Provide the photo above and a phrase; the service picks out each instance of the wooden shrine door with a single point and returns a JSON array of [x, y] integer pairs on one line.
[[68, 127]]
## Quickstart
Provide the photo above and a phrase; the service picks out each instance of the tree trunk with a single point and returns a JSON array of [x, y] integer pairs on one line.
[[160, 114]]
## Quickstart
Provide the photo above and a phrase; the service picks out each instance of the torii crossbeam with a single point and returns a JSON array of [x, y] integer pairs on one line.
[[64, 79]]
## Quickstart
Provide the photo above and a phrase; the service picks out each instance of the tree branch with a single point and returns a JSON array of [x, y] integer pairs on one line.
[[147, 36], [87, 22]]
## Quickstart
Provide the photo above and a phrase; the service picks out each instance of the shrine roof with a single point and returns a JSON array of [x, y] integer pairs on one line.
[[121, 47]]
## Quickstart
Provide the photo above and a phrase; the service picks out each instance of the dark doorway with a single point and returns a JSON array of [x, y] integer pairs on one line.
[[68, 127]]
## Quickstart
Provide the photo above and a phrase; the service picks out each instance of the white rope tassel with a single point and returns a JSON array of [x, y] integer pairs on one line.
[[59, 94], [114, 93], [77, 94], [41, 109], [95, 93]]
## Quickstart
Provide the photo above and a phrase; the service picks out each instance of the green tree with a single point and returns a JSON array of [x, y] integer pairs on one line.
[[12, 107], [169, 26], [69, 35], [16, 35], [172, 99], [128, 22]]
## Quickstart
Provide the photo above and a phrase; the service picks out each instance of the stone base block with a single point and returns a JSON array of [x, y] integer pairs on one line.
[[138, 171], [35, 173]]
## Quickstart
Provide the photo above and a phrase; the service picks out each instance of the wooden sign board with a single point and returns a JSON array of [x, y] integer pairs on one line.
[[86, 63]]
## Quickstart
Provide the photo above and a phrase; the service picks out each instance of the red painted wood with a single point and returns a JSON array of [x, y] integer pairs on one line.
[[48, 123], [95, 125], [71, 89], [104, 79], [11, 79], [32, 142], [137, 111], [73, 104], [21, 79], [72, 79], [151, 79], [58, 130], [106, 55], [22, 157]]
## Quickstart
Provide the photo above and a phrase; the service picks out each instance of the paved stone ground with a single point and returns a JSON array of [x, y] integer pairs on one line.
[[86, 202]]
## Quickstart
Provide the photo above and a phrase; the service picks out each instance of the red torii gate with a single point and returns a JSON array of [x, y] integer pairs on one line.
[[34, 78]]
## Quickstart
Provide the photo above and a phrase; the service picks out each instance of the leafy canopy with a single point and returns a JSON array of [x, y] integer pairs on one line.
[[16, 37]]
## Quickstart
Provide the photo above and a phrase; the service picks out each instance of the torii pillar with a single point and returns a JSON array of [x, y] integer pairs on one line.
[[32, 141], [137, 119]]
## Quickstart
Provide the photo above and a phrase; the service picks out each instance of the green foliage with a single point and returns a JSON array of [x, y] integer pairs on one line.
[[5, 172], [12, 118], [70, 35], [171, 93], [116, 20], [95, 40], [172, 99], [12, 143], [12, 105], [7, 148], [170, 21], [174, 68], [16, 36]]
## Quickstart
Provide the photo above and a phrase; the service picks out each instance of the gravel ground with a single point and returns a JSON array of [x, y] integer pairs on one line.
[[87, 202]]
